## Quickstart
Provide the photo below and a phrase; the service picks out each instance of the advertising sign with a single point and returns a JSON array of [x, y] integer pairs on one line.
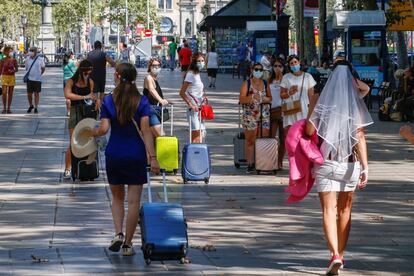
[[404, 20], [370, 72]]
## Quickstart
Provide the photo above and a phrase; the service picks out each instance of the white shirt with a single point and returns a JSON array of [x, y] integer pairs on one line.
[[212, 60], [275, 90], [36, 71], [290, 80], [196, 87]]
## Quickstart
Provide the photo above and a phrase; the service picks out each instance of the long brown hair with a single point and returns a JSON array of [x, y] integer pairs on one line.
[[273, 75], [126, 95], [193, 65]]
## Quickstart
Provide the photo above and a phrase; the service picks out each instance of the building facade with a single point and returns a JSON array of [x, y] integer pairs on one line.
[[180, 18]]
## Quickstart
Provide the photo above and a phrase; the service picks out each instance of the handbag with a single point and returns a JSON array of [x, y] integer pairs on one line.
[[157, 110], [207, 112], [293, 107], [88, 111], [26, 76]]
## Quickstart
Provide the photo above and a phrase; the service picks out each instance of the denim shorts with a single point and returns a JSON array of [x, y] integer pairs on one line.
[[154, 120]]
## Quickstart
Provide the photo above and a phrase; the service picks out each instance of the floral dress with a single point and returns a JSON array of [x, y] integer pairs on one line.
[[251, 111]]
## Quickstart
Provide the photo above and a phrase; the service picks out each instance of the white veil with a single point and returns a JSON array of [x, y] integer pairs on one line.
[[338, 114]]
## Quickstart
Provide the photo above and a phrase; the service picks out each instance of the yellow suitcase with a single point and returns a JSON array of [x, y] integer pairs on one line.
[[167, 148]]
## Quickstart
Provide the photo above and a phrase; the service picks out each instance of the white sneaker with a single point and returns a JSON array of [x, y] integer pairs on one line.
[[67, 174], [128, 250], [116, 242]]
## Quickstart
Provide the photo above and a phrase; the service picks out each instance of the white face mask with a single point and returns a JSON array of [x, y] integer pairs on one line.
[[10, 54], [31, 54], [155, 71]]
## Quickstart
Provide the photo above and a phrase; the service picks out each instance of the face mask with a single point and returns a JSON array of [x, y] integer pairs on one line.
[[200, 65], [31, 54], [258, 74], [295, 68], [155, 71]]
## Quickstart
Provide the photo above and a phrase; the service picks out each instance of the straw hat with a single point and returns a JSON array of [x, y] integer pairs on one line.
[[83, 145]]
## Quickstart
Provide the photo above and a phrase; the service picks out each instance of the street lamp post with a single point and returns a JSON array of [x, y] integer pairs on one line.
[[24, 24]]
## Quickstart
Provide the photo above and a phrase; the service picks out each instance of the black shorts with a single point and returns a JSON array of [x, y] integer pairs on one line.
[[212, 72], [99, 86], [184, 68], [34, 86]]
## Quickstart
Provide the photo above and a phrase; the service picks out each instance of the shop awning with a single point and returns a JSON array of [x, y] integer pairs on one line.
[[346, 19]]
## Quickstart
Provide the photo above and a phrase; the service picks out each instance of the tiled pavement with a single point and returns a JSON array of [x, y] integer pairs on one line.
[[49, 226]]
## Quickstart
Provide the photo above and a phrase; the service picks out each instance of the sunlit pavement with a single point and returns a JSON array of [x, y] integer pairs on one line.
[[238, 224]]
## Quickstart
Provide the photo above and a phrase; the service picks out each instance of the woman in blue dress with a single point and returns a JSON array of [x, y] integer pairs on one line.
[[126, 152]]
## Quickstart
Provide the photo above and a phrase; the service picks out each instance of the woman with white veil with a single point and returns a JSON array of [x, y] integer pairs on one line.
[[339, 116]]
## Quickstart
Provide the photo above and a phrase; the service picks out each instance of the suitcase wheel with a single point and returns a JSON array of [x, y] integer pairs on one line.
[[175, 172], [237, 165], [148, 261], [275, 171], [185, 181], [206, 180], [147, 253]]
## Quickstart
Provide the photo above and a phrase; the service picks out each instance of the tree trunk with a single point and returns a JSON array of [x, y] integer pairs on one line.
[[309, 37], [297, 24], [401, 51], [323, 48]]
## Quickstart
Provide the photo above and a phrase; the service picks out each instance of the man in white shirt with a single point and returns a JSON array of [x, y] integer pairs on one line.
[[35, 67]]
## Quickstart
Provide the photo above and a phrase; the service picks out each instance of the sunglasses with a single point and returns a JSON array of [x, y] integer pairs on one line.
[[278, 66], [258, 69]]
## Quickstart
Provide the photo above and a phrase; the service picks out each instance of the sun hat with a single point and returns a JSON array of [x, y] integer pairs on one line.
[[81, 144]]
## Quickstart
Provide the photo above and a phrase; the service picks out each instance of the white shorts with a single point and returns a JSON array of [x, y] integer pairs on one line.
[[333, 176], [194, 120]]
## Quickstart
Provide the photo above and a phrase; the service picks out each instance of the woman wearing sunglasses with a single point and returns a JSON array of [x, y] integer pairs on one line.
[[276, 119], [296, 91], [77, 90], [253, 93]]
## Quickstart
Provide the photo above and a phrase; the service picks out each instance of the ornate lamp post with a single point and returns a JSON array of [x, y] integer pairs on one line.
[[46, 37]]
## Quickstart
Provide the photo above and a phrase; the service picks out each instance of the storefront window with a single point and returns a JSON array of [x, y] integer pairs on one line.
[[161, 4], [168, 4]]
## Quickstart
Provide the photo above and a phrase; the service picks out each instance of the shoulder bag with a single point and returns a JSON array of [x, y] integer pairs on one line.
[[293, 107], [26, 76]]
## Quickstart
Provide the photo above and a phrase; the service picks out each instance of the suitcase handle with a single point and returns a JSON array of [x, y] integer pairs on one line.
[[149, 185], [171, 119]]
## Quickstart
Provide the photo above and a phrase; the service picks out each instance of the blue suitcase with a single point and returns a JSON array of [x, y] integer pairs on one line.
[[196, 163], [163, 229]]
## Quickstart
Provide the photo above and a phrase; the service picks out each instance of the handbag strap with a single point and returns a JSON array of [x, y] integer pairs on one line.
[[301, 88], [137, 128]]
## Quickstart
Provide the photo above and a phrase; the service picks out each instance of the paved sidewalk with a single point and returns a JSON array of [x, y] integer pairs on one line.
[[49, 226]]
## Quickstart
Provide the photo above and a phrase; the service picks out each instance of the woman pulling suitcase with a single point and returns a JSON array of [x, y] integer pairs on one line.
[[126, 159]]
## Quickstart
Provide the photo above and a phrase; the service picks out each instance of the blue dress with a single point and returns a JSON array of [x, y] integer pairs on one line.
[[126, 158]]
